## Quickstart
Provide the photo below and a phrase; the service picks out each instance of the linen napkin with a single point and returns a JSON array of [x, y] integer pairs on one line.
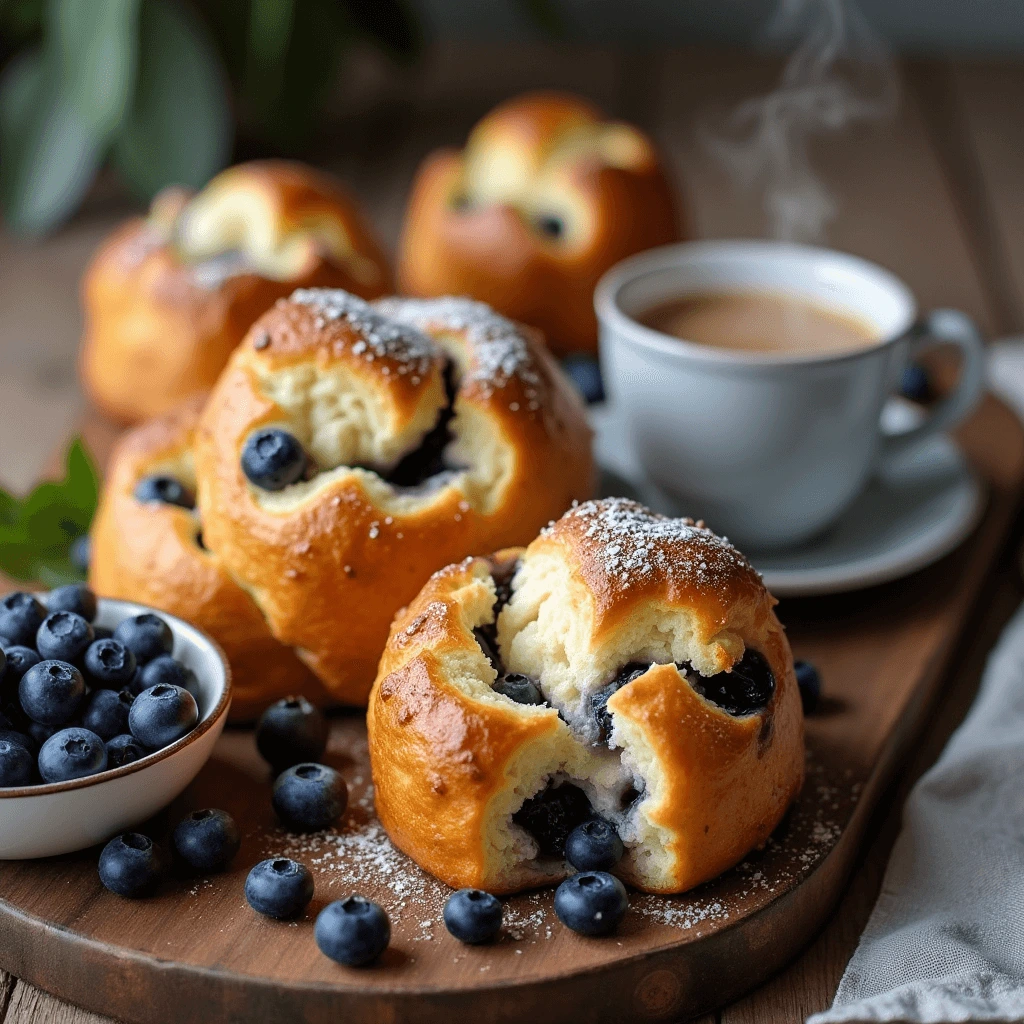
[[945, 942]]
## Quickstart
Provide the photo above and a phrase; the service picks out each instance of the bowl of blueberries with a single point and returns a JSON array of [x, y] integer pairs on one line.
[[108, 710]]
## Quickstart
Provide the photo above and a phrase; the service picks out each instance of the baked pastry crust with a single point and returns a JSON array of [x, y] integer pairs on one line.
[[607, 585], [168, 297], [330, 559], [148, 552], [475, 223]]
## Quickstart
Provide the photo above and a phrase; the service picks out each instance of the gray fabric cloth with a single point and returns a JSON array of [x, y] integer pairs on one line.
[[945, 941]]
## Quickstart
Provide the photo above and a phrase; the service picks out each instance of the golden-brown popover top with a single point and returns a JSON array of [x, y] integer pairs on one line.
[[168, 297], [545, 197], [422, 446]]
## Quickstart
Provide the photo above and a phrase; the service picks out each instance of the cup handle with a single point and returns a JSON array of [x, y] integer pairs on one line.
[[943, 327]]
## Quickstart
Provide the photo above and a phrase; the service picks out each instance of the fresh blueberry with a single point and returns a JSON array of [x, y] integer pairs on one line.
[[21, 615], [552, 814], [75, 597], [3, 664], [353, 931], [593, 846], [162, 671], [162, 715], [147, 636], [272, 459], [808, 680], [309, 797], [19, 660], [64, 636], [914, 383], [51, 692], [585, 373], [132, 865], [106, 713], [39, 733], [109, 664], [599, 701], [166, 490], [473, 916], [291, 732], [79, 553], [17, 765], [21, 739], [522, 689], [591, 903], [207, 840], [279, 887], [124, 749], [72, 754], [744, 690]]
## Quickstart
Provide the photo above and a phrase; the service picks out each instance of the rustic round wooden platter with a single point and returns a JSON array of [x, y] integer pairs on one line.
[[196, 952]]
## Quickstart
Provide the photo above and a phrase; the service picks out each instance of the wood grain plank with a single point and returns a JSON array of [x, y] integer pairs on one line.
[[7, 984], [30, 1005], [809, 983]]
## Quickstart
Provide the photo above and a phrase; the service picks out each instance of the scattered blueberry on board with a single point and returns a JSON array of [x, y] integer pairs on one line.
[[914, 383], [309, 797], [591, 903], [473, 916], [279, 887], [207, 840], [291, 732], [585, 372], [132, 865], [353, 931], [808, 680], [272, 459], [68, 689], [593, 846]]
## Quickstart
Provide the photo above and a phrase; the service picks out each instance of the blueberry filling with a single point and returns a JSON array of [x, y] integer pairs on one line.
[[599, 700], [552, 814], [745, 690], [165, 490], [522, 689], [427, 460]]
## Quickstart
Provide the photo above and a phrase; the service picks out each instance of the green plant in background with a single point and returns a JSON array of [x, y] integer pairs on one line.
[[158, 87], [161, 88], [38, 532]]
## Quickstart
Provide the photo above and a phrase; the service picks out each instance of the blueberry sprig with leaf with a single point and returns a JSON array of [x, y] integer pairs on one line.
[[38, 532]]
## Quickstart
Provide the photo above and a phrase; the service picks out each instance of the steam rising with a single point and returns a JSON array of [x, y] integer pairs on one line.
[[840, 73]]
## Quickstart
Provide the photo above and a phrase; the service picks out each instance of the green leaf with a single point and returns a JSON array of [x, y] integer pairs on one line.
[[389, 24], [178, 130], [36, 533], [60, 105]]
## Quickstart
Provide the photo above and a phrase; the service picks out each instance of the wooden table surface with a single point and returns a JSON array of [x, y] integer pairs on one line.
[[933, 194]]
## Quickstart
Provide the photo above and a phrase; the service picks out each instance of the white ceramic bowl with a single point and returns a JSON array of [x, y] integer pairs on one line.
[[59, 817]]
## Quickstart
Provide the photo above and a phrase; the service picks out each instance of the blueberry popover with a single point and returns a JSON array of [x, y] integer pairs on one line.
[[168, 296], [148, 547], [625, 674], [350, 449]]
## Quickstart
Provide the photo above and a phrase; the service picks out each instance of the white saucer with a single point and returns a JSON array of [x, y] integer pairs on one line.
[[902, 521]]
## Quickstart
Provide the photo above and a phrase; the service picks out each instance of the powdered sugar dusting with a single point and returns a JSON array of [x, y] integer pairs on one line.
[[380, 336], [500, 349], [633, 543]]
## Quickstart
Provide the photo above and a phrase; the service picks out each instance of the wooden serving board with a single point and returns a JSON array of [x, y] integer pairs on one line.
[[196, 952]]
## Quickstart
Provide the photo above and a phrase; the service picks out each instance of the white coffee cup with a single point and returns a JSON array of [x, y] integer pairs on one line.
[[769, 449]]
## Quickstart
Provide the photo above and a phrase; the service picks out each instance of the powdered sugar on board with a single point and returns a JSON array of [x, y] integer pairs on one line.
[[358, 857], [631, 544]]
